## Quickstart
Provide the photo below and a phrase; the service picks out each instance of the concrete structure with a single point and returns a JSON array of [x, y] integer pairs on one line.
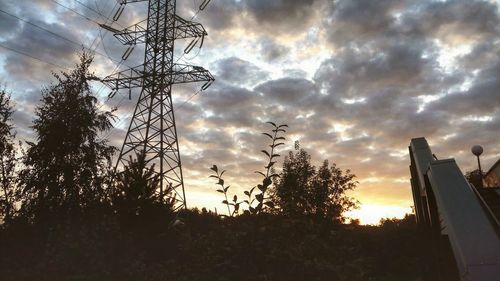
[[459, 232]]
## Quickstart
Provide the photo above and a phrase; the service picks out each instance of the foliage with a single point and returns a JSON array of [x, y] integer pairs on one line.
[[293, 188], [65, 168], [474, 177], [261, 247], [303, 190], [8, 160], [136, 191], [269, 175], [223, 189], [261, 199]]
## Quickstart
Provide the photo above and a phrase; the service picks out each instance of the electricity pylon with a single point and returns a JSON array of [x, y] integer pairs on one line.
[[152, 129]]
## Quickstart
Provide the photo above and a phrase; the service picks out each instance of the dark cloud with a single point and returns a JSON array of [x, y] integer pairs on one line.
[[238, 71], [283, 15], [453, 20], [288, 91], [355, 20], [481, 99], [221, 14], [271, 50]]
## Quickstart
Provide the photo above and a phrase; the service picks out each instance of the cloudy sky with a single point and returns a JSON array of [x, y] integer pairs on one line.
[[354, 79]]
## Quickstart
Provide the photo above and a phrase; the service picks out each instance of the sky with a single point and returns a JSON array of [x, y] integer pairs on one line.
[[354, 80]]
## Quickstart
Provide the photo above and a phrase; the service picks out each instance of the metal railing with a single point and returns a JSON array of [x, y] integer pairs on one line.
[[449, 211]]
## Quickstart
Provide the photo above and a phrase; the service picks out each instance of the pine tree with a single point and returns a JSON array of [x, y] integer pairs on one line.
[[65, 168], [136, 188]]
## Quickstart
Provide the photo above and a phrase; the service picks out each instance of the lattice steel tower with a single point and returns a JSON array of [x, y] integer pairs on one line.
[[152, 129]]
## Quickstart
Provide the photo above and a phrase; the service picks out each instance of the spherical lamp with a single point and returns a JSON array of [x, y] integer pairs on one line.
[[478, 150]]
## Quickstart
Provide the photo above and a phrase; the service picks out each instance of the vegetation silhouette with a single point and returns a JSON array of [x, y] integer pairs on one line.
[[8, 159], [475, 177], [65, 169], [304, 190], [259, 201], [66, 215]]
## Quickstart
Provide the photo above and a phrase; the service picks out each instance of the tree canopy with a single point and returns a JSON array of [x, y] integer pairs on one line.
[[7, 159], [304, 190], [65, 167]]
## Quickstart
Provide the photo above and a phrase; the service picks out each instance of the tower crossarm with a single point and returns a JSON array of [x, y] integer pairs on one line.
[[188, 29], [123, 2], [182, 73], [136, 34], [132, 35], [126, 79]]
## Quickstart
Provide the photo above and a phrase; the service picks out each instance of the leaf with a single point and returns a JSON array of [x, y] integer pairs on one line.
[[213, 176], [260, 173], [270, 204], [251, 189], [269, 135], [246, 193], [225, 189], [280, 138], [266, 153], [222, 173], [274, 176], [259, 197], [237, 207], [281, 130], [220, 190], [272, 123], [275, 155], [246, 201], [261, 188], [214, 168], [235, 198], [259, 207], [283, 125], [270, 165], [225, 202], [221, 181], [278, 144], [267, 182]]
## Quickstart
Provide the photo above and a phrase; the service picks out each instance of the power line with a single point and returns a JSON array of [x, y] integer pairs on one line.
[[76, 12], [106, 18], [35, 58], [65, 39], [91, 9], [191, 97], [58, 35]]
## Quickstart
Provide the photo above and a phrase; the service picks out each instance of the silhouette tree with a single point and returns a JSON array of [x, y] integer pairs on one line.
[[338, 202], [136, 192], [7, 160], [294, 183], [65, 168], [303, 190], [474, 177], [320, 190]]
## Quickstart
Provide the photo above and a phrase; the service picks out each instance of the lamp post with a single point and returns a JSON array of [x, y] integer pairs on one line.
[[478, 150]]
